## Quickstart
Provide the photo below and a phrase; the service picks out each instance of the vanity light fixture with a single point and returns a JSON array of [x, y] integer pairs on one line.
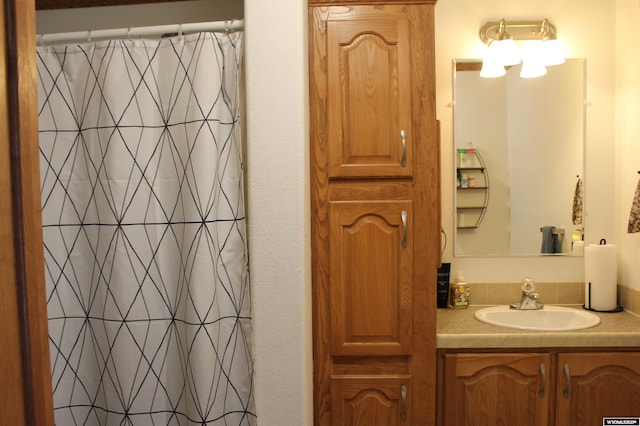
[[510, 42], [552, 50]]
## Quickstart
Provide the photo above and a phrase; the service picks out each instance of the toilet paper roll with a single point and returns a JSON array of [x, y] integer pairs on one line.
[[600, 276]]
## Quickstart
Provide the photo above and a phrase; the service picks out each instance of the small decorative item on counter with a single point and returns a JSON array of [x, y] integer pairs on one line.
[[459, 292]]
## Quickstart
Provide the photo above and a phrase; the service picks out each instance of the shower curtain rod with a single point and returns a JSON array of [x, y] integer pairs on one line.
[[136, 32]]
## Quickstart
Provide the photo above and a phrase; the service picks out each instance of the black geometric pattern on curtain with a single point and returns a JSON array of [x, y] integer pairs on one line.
[[144, 231]]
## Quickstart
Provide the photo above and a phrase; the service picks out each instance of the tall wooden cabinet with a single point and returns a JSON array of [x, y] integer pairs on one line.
[[375, 211]]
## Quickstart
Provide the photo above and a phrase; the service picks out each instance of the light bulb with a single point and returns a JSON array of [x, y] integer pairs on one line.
[[532, 60], [492, 67], [532, 68], [552, 53], [507, 51]]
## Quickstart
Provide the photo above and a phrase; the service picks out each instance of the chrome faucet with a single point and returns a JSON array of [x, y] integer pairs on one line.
[[529, 300]]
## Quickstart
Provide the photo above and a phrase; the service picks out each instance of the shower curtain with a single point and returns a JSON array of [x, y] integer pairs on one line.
[[144, 231]]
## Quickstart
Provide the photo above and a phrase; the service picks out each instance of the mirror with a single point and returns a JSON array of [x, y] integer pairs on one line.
[[529, 136]]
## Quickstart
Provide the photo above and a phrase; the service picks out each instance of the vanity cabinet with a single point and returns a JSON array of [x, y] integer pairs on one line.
[[591, 386], [496, 389], [375, 211], [553, 387]]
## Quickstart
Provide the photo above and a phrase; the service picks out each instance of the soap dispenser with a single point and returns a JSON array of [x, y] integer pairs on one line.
[[459, 292]]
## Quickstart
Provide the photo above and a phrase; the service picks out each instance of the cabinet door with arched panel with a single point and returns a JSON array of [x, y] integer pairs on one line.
[[370, 120], [375, 400], [592, 386], [371, 263], [496, 388]]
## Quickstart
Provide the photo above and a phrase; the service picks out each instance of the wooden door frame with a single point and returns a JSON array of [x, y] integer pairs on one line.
[[27, 398]]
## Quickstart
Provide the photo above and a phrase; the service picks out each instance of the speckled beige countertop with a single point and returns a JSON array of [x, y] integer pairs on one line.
[[458, 328]]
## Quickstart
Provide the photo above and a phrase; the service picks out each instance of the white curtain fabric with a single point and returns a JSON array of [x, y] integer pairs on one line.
[[144, 231]]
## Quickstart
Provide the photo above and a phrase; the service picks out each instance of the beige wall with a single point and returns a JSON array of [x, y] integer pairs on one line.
[[279, 245], [627, 136]]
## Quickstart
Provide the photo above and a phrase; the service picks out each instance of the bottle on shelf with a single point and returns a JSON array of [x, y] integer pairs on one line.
[[461, 158], [471, 159], [464, 181]]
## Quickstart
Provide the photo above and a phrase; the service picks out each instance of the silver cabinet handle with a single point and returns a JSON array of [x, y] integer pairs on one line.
[[404, 226], [543, 373], [567, 375], [403, 394], [403, 137]]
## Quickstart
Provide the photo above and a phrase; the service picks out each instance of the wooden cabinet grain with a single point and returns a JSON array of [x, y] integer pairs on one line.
[[496, 389], [375, 212], [554, 387], [369, 99], [375, 400], [592, 386], [371, 277]]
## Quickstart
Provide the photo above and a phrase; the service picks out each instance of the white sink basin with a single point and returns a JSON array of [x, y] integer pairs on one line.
[[550, 318]]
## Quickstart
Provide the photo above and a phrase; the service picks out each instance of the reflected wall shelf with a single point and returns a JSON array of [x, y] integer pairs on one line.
[[472, 194]]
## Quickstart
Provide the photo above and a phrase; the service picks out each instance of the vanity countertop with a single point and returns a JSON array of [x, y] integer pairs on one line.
[[458, 328]]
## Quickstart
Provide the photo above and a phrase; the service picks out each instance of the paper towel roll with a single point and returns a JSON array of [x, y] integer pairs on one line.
[[577, 248], [600, 271]]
